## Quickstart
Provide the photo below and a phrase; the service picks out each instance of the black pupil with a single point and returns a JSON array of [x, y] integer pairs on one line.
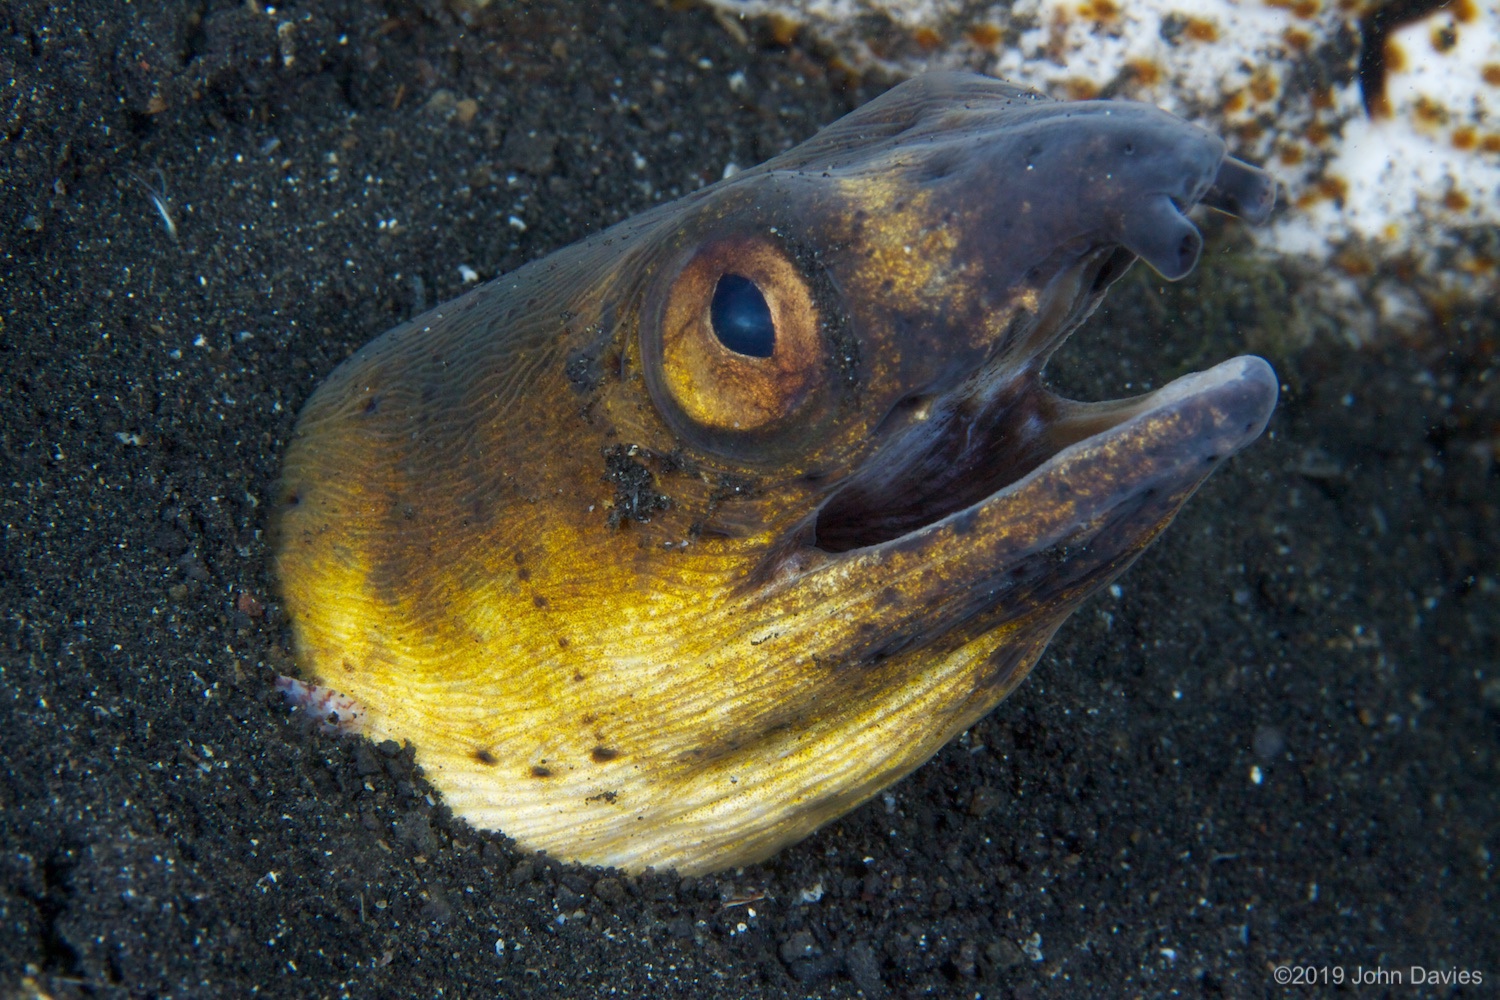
[[741, 318]]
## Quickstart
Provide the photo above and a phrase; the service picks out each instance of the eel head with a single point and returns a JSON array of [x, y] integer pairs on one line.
[[671, 547]]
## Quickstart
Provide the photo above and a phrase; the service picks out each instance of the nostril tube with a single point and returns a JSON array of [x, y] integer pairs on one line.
[[1242, 190], [1160, 235]]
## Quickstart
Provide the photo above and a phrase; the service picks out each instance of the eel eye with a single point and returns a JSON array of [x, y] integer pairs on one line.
[[741, 319], [733, 343]]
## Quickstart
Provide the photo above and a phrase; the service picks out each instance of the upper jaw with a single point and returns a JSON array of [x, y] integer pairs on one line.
[[939, 451], [1043, 205], [942, 448]]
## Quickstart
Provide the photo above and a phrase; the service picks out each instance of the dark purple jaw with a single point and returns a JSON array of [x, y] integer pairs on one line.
[[1077, 191]]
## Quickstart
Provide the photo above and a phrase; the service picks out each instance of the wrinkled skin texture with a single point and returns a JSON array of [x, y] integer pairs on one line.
[[638, 599]]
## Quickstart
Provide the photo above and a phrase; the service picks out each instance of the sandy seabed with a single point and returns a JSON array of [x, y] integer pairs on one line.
[[1277, 746]]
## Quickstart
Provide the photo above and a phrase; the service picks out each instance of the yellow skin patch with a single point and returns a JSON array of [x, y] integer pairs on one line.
[[641, 599]]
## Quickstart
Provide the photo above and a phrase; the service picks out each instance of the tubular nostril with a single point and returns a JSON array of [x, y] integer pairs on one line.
[[1188, 251], [1242, 190], [1159, 234]]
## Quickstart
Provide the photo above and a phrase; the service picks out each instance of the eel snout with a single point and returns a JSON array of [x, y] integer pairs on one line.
[[1242, 190], [948, 450], [1155, 229]]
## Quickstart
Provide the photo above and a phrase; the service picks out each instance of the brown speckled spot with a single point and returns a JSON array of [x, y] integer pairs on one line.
[[485, 757], [523, 574], [539, 601], [602, 754], [538, 771]]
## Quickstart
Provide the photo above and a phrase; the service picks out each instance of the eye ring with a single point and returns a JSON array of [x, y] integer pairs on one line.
[[732, 342]]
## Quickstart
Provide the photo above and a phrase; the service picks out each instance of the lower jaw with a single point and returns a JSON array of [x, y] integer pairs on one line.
[[1035, 444]]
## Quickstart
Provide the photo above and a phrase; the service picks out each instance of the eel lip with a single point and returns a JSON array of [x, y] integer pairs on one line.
[[1027, 554], [1153, 453], [1114, 462]]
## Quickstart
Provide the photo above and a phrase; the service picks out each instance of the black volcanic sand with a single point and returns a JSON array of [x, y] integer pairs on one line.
[[1325, 611]]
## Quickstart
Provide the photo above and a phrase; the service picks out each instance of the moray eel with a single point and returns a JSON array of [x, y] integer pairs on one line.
[[672, 546]]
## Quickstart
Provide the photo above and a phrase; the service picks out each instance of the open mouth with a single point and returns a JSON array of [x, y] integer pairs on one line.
[[944, 453]]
